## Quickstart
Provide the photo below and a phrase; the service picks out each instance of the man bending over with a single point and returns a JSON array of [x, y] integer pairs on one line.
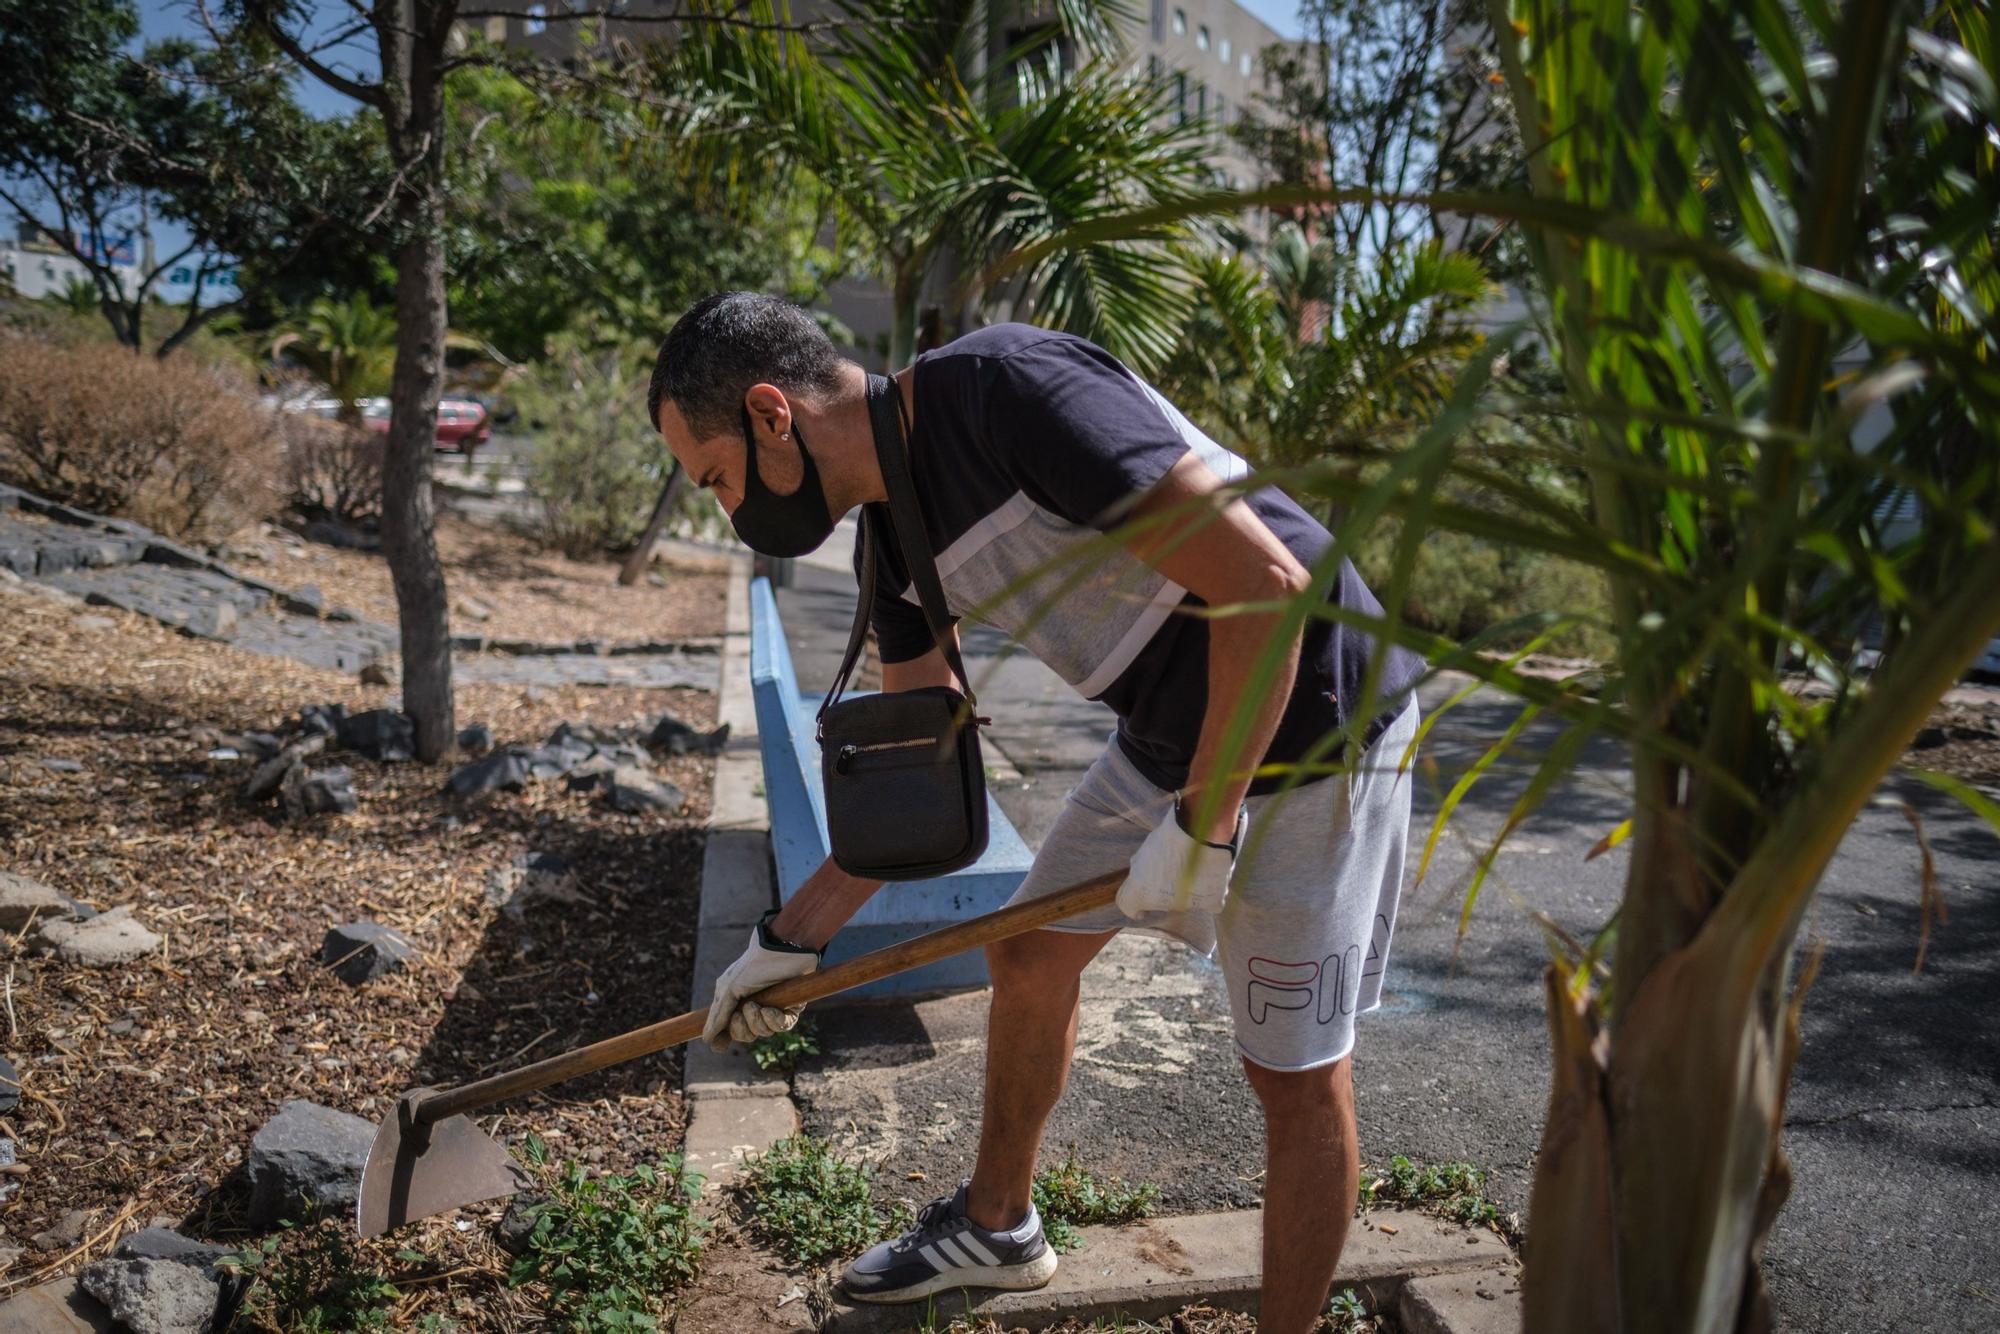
[[1025, 445]]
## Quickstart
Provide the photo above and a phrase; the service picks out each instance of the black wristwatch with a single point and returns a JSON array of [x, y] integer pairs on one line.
[[771, 940], [1233, 846]]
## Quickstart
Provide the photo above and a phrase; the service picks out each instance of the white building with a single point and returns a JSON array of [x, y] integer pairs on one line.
[[37, 267]]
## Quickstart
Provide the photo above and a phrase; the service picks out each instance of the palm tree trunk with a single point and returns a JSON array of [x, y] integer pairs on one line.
[[1661, 1170]]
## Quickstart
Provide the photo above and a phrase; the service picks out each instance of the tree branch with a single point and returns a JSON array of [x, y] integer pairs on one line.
[[198, 318], [198, 242], [368, 94]]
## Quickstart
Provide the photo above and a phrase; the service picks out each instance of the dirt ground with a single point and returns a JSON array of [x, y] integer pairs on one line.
[[1962, 739], [143, 1084], [503, 586]]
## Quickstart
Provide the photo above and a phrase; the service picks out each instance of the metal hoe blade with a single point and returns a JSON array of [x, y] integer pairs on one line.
[[416, 1170]]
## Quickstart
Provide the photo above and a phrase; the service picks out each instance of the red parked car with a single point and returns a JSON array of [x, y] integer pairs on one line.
[[462, 424]]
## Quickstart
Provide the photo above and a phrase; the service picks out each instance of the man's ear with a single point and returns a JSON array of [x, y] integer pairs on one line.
[[769, 409]]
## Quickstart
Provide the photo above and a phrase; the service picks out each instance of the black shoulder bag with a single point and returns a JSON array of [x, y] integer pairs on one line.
[[905, 789]]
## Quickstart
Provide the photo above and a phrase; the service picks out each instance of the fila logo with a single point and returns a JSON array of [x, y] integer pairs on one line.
[[1325, 989]]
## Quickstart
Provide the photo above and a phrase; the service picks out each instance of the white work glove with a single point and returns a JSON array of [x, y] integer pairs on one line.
[[1173, 871], [767, 961]]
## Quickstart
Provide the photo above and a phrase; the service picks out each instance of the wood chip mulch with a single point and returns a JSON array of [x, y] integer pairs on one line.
[[1963, 740], [145, 1083], [523, 591]]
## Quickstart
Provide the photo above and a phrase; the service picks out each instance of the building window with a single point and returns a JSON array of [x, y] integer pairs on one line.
[[1153, 68], [1159, 19], [1243, 64], [1180, 98], [1225, 50], [1180, 23], [537, 21], [1201, 37], [1201, 101], [1221, 112]]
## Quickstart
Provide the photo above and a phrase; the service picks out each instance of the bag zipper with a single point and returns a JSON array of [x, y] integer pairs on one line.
[[849, 752]]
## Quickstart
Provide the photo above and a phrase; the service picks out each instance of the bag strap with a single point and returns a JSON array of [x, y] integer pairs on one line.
[[857, 635], [890, 423], [892, 433]]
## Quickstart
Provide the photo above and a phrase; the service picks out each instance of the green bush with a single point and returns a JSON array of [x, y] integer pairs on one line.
[[1068, 1197], [1462, 586], [609, 1248], [596, 464], [810, 1205]]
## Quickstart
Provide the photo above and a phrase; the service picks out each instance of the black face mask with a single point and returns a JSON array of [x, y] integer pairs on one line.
[[776, 525]]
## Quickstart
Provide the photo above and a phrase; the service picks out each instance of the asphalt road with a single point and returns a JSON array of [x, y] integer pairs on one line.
[[1894, 1120]]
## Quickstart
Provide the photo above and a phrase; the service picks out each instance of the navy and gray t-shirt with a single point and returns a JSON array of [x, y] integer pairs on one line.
[[1027, 445]]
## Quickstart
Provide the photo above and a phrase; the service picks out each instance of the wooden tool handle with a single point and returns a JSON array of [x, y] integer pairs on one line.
[[900, 957]]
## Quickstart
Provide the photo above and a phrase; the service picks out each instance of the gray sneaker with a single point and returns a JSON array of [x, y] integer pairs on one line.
[[947, 1250]]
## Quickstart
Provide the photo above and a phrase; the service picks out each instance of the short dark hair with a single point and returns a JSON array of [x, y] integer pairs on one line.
[[727, 342]]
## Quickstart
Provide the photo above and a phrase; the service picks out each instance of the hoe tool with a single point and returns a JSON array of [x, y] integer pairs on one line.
[[428, 1156]]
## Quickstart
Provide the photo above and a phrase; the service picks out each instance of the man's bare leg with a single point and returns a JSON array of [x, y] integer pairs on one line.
[[1311, 1174], [1030, 1034]]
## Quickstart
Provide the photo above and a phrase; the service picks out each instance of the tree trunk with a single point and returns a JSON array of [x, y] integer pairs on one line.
[[642, 555], [408, 525], [1661, 1169]]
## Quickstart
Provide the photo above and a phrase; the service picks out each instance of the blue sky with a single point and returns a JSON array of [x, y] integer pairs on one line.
[[1280, 14]]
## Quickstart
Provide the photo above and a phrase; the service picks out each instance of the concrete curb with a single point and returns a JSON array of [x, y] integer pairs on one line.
[[734, 1108], [1435, 1277]]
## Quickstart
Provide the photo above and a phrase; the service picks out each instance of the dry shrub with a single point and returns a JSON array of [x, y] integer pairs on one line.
[[177, 445], [333, 470]]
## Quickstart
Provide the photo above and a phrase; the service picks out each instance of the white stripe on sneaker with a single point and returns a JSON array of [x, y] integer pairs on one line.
[[937, 1260], [971, 1246]]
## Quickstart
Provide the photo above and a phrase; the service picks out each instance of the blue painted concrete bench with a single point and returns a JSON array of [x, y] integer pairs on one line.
[[798, 828]]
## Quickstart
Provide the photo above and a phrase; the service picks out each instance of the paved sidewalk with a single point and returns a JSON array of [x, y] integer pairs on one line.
[[1894, 1125]]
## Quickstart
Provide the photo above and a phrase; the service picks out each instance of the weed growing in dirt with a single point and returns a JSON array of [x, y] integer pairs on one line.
[[783, 1051], [810, 1204], [312, 1279], [1447, 1190], [1068, 1196], [1348, 1314], [609, 1248]]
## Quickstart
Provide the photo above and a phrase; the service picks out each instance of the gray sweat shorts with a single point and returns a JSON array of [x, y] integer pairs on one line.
[[1304, 934]]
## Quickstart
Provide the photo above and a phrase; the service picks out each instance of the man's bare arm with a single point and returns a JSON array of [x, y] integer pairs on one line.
[[1224, 554]]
